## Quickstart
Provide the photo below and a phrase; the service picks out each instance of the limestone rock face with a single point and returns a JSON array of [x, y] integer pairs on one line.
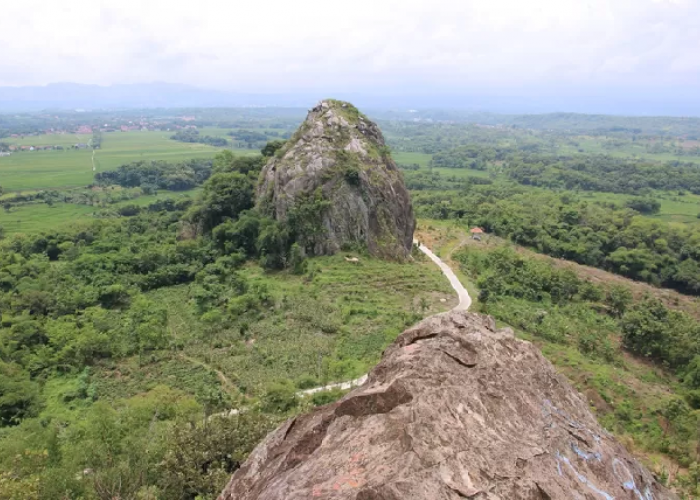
[[339, 155], [455, 409]]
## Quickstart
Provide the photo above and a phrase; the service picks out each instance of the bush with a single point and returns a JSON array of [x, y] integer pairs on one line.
[[280, 397], [326, 397], [200, 459], [129, 210]]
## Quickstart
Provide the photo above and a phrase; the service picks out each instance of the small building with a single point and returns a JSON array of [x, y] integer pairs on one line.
[[5, 153], [476, 233]]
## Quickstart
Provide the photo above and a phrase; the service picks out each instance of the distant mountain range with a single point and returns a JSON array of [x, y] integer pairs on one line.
[[151, 95], [71, 96]]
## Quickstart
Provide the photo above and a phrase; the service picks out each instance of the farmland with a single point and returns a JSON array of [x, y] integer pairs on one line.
[[36, 217], [31, 170]]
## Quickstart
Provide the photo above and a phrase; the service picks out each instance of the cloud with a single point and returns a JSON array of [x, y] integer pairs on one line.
[[275, 45]]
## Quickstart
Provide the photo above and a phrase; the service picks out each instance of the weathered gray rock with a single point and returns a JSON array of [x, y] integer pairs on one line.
[[340, 154], [455, 409]]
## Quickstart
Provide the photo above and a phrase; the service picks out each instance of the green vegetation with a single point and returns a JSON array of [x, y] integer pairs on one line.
[[123, 339], [193, 135], [30, 170], [582, 327], [158, 175], [564, 226], [43, 214], [138, 311]]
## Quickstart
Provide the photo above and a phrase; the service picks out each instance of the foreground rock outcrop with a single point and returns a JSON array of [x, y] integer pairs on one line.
[[455, 409], [338, 159]]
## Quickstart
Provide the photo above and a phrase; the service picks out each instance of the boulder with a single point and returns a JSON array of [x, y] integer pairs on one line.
[[336, 184], [455, 409]]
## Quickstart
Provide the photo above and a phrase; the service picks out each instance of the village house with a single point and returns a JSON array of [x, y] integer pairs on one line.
[[5, 153]]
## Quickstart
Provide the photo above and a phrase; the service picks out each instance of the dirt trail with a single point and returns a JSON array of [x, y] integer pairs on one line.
[[230, 386]]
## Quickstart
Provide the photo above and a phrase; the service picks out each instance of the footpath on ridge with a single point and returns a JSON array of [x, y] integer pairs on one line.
[[465, 301]]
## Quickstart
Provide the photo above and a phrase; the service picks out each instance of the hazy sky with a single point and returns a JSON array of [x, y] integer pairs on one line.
[[274, 45]]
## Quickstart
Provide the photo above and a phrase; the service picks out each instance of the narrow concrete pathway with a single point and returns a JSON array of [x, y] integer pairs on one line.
[[465, 301]]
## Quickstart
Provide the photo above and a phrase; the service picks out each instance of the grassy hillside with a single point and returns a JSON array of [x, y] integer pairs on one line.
[[142, 423], [329, 325]]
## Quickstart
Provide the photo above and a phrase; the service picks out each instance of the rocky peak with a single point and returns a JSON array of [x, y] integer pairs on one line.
[[338, 159], [455, 409]]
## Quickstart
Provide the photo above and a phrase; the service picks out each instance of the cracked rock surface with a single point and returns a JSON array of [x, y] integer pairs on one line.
[[455, 409], [341, 154]]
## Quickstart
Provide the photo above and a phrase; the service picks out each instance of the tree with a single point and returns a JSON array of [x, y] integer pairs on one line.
[[272, 147], [297, 259], [647, 206], [200, 458], [273, 243], [18, 394], [618, 298], [305, 220], [226, 161], [225, 195], [241, 235], [213, 321]]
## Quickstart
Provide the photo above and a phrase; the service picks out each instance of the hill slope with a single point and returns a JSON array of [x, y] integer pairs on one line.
[[335, 183], [455, 409]]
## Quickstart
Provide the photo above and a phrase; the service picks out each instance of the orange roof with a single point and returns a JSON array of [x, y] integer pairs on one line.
[[476, 230]]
